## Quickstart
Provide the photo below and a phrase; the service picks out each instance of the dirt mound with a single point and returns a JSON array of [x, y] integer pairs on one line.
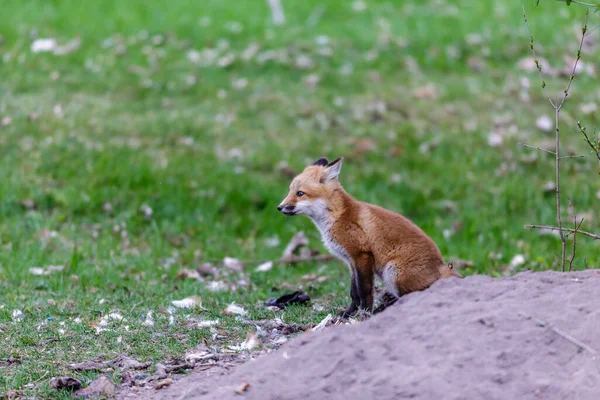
[[531, 336]]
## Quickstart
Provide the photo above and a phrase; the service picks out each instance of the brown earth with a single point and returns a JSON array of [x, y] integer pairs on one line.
[[531, 336]]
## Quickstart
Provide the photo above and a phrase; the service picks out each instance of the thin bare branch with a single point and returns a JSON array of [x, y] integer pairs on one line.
[[537, 148], [583, 33], [557, 179], [555, 228], [593, 143], [571, 157], [580, 3], [537, 64]]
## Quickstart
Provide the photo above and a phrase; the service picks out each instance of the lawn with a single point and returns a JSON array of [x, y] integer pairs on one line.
[[166, 139]]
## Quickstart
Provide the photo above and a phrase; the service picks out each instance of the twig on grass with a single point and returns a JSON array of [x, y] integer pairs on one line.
[[560, 333]]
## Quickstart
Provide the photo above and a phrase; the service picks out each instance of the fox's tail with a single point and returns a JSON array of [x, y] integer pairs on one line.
[[448, 270]]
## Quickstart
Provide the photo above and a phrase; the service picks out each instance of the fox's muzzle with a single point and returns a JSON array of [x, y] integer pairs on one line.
[[287, 209]]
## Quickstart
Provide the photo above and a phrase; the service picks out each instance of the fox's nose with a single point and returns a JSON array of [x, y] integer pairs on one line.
[[279, 208]]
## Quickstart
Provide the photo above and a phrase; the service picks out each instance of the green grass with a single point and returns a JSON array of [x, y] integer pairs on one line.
[[128, 120]]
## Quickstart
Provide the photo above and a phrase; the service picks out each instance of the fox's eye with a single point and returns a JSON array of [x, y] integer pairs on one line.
[[299, 194]]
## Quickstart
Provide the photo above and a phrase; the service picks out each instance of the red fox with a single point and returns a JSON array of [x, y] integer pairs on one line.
[[369, 239]]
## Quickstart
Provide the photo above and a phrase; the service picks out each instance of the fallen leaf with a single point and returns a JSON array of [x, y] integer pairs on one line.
[[549, 187], [101, 387], [188, 302], [208, 323], [428, 91], [234, 309], [264, 267], [163, 383], [65, 383], [18, 315], [233, 264], [188, 274], [67, 48], [313, 277], [217, 286], [495, 139], [43, 45], [544, 123], [46, 271], [517, 261], [242, 388]]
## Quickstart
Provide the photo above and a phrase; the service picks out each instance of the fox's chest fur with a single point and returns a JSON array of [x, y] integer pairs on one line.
[[324, 224]]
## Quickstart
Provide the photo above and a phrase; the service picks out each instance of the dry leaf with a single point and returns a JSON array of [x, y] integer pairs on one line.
[[46, 271], [544, 123], [163, 383], [429, 91], [188, 302], [43, 45], [234, 309], [188, 273], [495, 139], [242, 388], [233, 264], [264, 267], [101, 387], [17, 315]]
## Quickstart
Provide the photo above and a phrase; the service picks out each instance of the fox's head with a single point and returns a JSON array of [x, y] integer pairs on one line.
[[310, 190]]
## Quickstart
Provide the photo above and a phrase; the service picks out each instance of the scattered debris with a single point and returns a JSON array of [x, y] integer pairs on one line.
[[43, 45], [206, 269], [298, 241], [188, 274], [323, 323], [298, 297], [251, 342], [101, 387], [217, 286], [264, 267], [188, 302], [46, 271], [313, 278], [277, 14], [234, 309], [233, 264], [163, 383], [544, 123], [242, 388], [208, 323], [149, 321], [121, 361], [17, 315], [65, 383]]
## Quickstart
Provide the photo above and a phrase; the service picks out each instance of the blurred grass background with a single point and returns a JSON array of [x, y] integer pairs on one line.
[[169, 135]]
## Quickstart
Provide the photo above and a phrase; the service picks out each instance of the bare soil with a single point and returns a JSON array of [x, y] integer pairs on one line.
[[531, 336]]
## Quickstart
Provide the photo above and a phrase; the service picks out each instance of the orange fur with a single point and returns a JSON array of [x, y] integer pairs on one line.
[[370, 239]]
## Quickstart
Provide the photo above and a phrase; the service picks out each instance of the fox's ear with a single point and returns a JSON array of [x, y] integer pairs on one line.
[[333, 169], [321, 162]]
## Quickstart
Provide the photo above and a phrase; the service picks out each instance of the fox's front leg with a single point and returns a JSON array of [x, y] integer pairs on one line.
[[355, 298], [364, 281]]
